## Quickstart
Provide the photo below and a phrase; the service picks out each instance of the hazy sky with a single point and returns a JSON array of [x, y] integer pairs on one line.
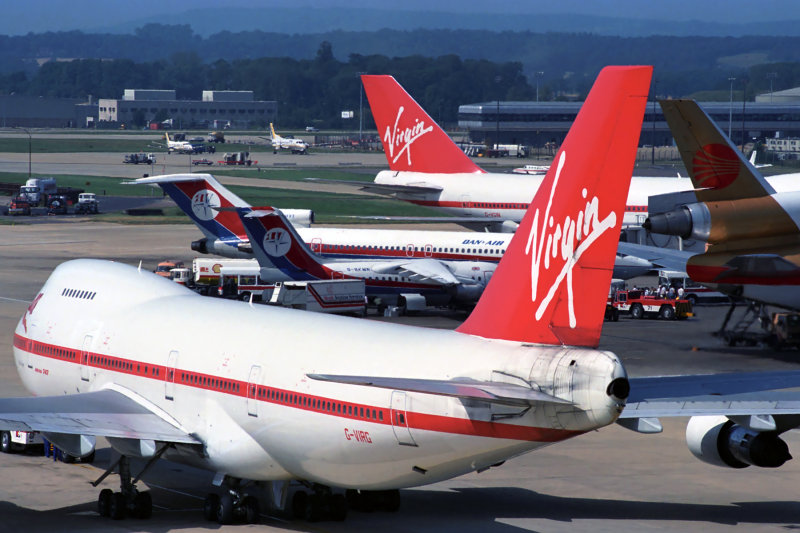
[[104, 15]]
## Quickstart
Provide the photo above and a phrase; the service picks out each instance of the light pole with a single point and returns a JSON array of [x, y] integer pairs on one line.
[[360, 107], [730, 110], [744, 101], [29, 148], [653, 144], [771, 77], [539, 73], [497, 80]]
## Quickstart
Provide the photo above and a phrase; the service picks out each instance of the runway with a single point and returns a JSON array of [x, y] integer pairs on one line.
[[609, 480]]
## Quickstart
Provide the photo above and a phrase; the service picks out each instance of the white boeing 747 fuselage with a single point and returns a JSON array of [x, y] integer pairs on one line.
[[248, 398], [501, 197]]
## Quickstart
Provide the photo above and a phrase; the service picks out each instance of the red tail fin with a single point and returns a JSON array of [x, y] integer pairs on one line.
[[551, 286], [411, 139]]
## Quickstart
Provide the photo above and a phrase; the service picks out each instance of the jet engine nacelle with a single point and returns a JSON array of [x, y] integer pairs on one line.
[[507, 226], [200, 246], [690, 221], [300, 218], [730, 220], [463, 293], [718, 441]]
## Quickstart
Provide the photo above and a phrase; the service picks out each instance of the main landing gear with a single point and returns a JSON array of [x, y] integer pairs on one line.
[[233, 505], [318, 505], [129, 501]]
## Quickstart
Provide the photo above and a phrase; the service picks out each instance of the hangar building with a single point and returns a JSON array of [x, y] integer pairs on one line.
[[215, 109], [538, 123]]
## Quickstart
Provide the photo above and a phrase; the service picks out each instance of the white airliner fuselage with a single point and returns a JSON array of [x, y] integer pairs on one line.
[[468, 253], [183, 147], [264, 418], [501, 197]]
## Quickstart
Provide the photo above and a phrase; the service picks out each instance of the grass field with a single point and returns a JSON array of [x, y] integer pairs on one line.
[[328, 207], [295, 174], [106, 144]]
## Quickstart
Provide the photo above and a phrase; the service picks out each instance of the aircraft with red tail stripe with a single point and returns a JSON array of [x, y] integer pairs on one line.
[[302, 396], [427, 168], [283, 256]]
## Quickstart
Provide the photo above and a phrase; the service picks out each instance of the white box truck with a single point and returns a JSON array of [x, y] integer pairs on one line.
[[323, 296]]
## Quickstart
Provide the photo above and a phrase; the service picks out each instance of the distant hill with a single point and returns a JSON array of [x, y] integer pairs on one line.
[[626, 18], [304, 21]]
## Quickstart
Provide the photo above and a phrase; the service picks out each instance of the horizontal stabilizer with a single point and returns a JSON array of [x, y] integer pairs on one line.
[[421, 188], [484, 391], [662, 387], [756, 404], [752, 393], [667, 258], [106, 413]]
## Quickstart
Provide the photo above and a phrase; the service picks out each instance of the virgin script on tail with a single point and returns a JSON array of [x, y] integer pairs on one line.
[[566, 234], [405, 138]]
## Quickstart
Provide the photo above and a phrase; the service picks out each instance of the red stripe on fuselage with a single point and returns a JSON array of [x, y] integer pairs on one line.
[[507, 206], [296, 400]]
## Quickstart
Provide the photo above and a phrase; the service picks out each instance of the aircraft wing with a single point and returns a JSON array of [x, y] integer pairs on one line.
[[105, 413], [415, 188], [666, 258], [755, 395], [421, 269], [485, 391]]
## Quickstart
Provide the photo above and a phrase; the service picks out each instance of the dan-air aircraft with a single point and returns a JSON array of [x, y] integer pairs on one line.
[[302, 396], [753, 230], [201, 196]]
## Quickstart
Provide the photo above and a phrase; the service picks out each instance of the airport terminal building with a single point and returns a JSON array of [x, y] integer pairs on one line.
[[216, 109], [539, 123]]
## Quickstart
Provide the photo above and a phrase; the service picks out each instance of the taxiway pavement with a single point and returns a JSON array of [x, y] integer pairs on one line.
[[608, 480]]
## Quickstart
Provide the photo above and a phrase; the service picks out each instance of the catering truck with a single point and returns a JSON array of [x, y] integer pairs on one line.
[[322, 296]]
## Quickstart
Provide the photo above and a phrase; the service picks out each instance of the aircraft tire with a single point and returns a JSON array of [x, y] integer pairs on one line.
[[251, 510], [117, 506], [225, 509], [143, 505], [104, 503], [6, 446], [210, 506], [314, 510]]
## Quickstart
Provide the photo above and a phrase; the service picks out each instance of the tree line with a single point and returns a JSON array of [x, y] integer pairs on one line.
[[313, 91], [308, 92], [566, 62]]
